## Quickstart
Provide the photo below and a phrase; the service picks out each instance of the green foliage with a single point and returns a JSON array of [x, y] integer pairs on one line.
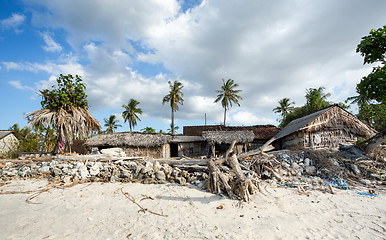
[[284, 108], [228, 95], [131, 113], [373, 86], [174, 131], [29, 139], [373, 46], [371, 90], [111, 123], [316, 99], [148, 130], [69, 92]]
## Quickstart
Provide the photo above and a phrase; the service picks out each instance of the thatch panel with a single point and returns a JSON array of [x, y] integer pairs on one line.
[[133, 139], [228, 137]]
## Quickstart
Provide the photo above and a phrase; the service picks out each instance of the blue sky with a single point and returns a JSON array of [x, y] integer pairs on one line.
[[131, 49]]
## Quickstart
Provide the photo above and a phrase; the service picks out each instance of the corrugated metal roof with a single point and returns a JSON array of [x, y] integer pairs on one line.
[[4, 133], [297, 124]]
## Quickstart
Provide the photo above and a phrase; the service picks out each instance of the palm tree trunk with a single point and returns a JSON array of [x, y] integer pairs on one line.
[[172, 121], [225, 115], [130, 127]]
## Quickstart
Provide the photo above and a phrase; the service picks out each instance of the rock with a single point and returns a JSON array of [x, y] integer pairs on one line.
[[113, 178], [83, 173], [65, 170], [8, 165], [131, 165], [66, 179], [307, 162], [181, 180], [149, 165], [113, 152], [125, 173], [160, 175], [157, 166], [310, 170], [146, 170], [334, 162], [56, 172], [149, 180], [345, 146], [44, 169], [295, 165]]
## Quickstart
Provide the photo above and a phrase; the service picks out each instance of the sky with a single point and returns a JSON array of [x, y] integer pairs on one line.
[[131, 49]]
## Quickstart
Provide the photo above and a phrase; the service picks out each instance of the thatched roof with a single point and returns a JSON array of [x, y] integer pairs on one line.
[[331, 117], [262, 132], [132, 139], [228, 136]]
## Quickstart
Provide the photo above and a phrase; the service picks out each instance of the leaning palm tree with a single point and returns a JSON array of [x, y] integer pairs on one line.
[[111, 123], [228, 95], [174, 97], [65, 109], [284, 107], [131, 113]]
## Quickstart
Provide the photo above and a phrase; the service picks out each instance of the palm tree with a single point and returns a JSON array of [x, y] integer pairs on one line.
[[174, 97], [111, 123], [228, 94], [131, 113], [65, 109], [284, 107], [175, 130], [148, 130], [316, 99]]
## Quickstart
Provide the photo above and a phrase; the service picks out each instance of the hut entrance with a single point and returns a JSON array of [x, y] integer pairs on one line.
[[173, 150]]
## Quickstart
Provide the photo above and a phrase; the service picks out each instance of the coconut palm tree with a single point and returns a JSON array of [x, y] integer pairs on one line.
[[284, 107], [228, 95], [148, 130], [65, 109], [174, 97], [111, 123], [316, 99], [131, 113], [175, 129]]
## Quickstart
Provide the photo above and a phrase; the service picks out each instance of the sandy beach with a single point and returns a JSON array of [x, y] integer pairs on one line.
[[102, 211]]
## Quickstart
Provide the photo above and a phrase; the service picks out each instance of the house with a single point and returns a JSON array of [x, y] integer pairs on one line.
[[8, 141], [324, 129], [262, 133], [134, 144]]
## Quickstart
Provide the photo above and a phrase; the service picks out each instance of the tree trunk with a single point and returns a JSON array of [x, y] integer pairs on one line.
[[225, 115], [172, 121]]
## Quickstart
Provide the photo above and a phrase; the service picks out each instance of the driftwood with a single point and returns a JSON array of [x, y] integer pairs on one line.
[[234, 182]]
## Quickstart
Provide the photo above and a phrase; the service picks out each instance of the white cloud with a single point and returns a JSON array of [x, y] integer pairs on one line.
[[51, 45], [17, 84], [13, 22], [273, 51]]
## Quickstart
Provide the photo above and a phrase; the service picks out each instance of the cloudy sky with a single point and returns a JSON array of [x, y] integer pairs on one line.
[[131, 49]]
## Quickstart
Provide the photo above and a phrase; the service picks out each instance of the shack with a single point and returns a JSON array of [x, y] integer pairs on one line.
[[134, 144], [219, 141], [262, 133], [324, 129], [8, 141]]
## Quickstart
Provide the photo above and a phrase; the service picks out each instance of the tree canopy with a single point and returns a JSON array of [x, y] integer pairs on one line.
[[228, 94], [111, 123], [131, 113], [371, 98], [65, 109]]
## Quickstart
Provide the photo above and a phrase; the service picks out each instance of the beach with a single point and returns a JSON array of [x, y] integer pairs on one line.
[[113, 211]]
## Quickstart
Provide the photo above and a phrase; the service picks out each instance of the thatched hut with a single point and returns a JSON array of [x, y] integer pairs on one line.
[[134, 144], [190, 146], [220, 140], [324, 129]]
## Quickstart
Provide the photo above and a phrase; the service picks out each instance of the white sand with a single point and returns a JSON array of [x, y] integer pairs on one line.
[[101, 211]]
